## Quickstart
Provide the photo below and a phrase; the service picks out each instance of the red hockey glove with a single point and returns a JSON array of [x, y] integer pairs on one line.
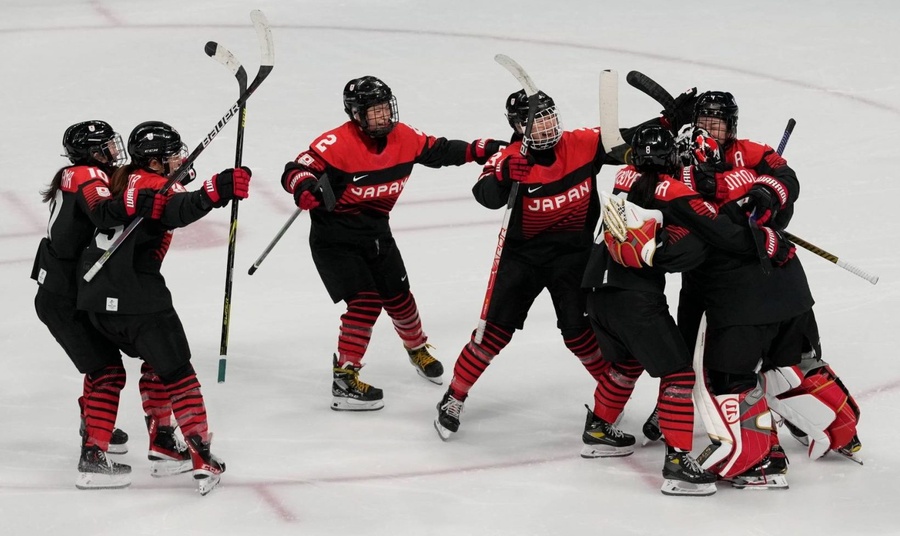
[[305, 195], [226, 185], [515, 167], [778, 247], [145, 202], [482, 149]]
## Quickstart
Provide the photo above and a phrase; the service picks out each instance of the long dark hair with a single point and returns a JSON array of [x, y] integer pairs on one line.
[[119, 180], [643, 191], [49, 194]]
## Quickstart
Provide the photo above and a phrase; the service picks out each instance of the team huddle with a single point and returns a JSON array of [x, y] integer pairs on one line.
[[691, 197]]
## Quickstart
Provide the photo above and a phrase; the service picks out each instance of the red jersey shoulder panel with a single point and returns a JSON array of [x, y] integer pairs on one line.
[[348, 150], [73, 177]]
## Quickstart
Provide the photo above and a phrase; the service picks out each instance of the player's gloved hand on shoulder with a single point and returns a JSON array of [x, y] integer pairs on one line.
[[228, 184], [709, 182], [763, 201], [683, 110], [482, 149], [779, 249], [145, 202], [515, 168]]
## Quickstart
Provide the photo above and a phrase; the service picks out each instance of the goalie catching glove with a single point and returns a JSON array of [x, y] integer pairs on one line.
[[629, 231]]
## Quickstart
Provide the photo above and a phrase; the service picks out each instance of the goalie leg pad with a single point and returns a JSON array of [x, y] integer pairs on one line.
[[749, 420], [823, 386]]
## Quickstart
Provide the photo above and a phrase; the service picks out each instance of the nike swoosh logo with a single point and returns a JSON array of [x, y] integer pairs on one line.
[[358, 177], [536, 188], [404, 277]]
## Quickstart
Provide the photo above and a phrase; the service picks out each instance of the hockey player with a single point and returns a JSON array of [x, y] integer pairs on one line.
[[756, 319], [717, 113], [627, 305], [76, 196], [128, 301], [547, 246], [366, 162]]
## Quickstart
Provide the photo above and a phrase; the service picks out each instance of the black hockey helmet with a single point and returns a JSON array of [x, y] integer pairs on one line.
[[546, 131], [155, 140], [653, 149], [87, 142], [721, 105], [517, 107], [362, 93]]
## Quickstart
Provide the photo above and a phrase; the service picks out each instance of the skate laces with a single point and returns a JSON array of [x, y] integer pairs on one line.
[[452, 407], [421, 357], [350, 375], [689, 462], [610, 430]]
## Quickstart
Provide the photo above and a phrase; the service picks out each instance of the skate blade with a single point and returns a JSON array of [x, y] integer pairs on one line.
[[443, 432], [163, 468], [349, 404], [850, 456], [207, 483], [773, 482], [605, 451], [439, 380], [680, 487], [101, 481], [118, 449]]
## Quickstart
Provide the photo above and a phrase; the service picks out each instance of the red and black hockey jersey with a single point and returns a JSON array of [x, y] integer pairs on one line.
[[81, 204], [130, 281], [367, 176], [557, 206]]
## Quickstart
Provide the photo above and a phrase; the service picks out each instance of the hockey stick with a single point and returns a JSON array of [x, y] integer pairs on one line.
[[609, 116], [647, 85], [266, 64], [855, 270], [328, 200], [227, 59], [531, 91], [830, 257]]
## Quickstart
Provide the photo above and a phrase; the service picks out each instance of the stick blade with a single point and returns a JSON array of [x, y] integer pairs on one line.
[[264, 35], [513, 67]]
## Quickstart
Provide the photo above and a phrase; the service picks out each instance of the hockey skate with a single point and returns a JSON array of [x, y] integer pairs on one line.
[[684, 476], [168, 455], [208, 468], [426, 365], [603, 440], [96, 471], [850, 449], [349, 393], [651, 429], [770, 473], [449, 410], [118, 443], [797, 433]]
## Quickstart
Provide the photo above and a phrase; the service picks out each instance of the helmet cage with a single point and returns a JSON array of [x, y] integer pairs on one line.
[[364, 97], [718, 105]]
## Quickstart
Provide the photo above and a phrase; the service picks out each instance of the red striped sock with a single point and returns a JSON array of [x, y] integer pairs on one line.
[[615, 388], [676, 409], [356, 327], [405, 315], [475, 358], [101, 405]]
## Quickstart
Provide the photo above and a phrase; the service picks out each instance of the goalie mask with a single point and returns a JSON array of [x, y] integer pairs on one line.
[[155, 140], [546, 130], [92, 143], [717, 112], [371, 104]]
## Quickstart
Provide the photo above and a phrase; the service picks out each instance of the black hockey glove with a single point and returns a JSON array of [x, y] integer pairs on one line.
[[682, 112], [762, 203]]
